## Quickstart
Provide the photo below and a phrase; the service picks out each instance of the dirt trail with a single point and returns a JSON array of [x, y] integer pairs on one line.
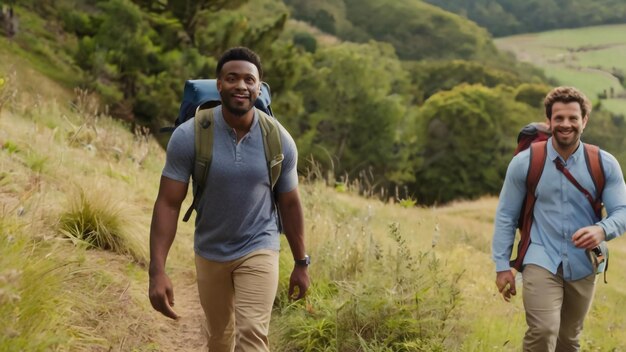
[[184, 334]]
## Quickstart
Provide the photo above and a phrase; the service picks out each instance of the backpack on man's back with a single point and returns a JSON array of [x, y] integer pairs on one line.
[[534, 136], [200, 96]]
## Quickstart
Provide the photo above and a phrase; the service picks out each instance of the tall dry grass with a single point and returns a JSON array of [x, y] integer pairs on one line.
[[373, 288], [59, 295], [95, 219], [31, 280]]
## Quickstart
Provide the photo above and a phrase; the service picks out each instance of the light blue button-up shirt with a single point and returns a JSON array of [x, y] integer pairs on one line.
[[560, 210]]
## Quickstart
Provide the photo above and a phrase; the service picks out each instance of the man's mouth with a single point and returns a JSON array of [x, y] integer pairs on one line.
[[241, 97], [565, 132]]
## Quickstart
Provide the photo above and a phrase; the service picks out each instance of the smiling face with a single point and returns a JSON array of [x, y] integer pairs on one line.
[[567, 124], [239, 86]]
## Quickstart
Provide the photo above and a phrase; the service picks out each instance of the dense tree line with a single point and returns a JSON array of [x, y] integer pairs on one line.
[[414, 98], [506, 17]]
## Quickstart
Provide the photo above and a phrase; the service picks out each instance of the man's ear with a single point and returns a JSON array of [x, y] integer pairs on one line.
[[218, 82]]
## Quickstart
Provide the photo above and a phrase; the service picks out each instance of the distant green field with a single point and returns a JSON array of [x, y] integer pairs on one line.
[[614, 104], [583, 57]]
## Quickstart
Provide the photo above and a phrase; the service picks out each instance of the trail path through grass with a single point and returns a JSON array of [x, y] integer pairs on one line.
[[184, 334]]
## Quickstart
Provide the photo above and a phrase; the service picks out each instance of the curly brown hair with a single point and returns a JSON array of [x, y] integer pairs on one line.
[[567, 95]]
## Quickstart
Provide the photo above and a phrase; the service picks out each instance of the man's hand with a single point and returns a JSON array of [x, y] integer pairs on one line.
[[505, 280], [161, 293], [300, 279], [588, 237]]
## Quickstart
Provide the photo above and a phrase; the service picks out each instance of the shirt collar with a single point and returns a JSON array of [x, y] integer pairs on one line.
[[553, 154], [219, 117]]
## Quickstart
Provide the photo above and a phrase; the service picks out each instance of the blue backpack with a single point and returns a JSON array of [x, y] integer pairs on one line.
[[203, 93], [200, 96]]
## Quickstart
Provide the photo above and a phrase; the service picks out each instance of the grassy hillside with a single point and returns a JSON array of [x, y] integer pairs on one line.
[[590, 58], [385, 276]]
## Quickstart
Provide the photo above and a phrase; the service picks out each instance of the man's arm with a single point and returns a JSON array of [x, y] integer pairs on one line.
[[614, 198], [509, 206], [293, 226], [162, 233]]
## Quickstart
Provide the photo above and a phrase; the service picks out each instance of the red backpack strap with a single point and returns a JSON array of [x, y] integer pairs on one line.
[[538, 156], [594, 165]]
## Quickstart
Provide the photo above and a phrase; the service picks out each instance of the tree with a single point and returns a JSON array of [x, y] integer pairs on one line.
[[353, 108], [469, 134]]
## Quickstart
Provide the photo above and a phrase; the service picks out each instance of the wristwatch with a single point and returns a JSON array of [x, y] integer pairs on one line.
[[303, 262]]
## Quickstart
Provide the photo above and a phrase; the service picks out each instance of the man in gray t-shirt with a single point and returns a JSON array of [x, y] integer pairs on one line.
[[236, 236]]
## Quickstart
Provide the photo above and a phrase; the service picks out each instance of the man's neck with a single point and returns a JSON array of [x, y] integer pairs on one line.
[[240, 123], [565, 153]]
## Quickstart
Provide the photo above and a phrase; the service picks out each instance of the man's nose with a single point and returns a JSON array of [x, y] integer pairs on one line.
[[241, 84]]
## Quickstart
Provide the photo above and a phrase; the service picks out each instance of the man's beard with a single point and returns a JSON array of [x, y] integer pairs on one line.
[[236, 110], [566, 143]]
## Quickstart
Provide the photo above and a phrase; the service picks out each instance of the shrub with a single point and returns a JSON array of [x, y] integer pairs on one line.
[[97, 220], [395, 302]]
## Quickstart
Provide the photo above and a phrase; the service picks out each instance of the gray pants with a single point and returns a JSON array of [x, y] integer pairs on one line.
[[555, 309]]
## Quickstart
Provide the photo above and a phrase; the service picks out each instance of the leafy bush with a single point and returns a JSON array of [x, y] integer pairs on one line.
[[368, 301]]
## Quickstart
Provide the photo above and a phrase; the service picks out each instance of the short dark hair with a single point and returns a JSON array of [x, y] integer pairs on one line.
[[239, 53], [566, 95]]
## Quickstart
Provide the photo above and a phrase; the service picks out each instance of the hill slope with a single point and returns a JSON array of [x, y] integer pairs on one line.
[[384, 276]]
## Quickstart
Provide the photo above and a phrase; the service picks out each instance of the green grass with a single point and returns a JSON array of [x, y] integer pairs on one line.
[[372, 298], [45, 50], [31, 280], [615, 104], [592, 82], [581, 37], [583, 57]]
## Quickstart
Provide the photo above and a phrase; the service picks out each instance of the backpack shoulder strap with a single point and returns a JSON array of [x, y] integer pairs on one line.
[[203, 145], [538, 156], [594, 165], [272, 145]]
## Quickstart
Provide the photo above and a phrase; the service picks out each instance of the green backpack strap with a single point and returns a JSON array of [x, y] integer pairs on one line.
[[203, 144], [273, 154], [272, 145], [203, 139]]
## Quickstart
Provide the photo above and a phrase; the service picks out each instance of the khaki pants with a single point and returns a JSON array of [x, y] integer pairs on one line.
[[237, 298], [555, 309]]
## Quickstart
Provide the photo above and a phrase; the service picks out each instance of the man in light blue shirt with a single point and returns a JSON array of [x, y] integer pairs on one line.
[[558, 277]]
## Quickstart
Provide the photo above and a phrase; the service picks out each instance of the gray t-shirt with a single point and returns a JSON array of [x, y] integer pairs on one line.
[[235, 214]]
